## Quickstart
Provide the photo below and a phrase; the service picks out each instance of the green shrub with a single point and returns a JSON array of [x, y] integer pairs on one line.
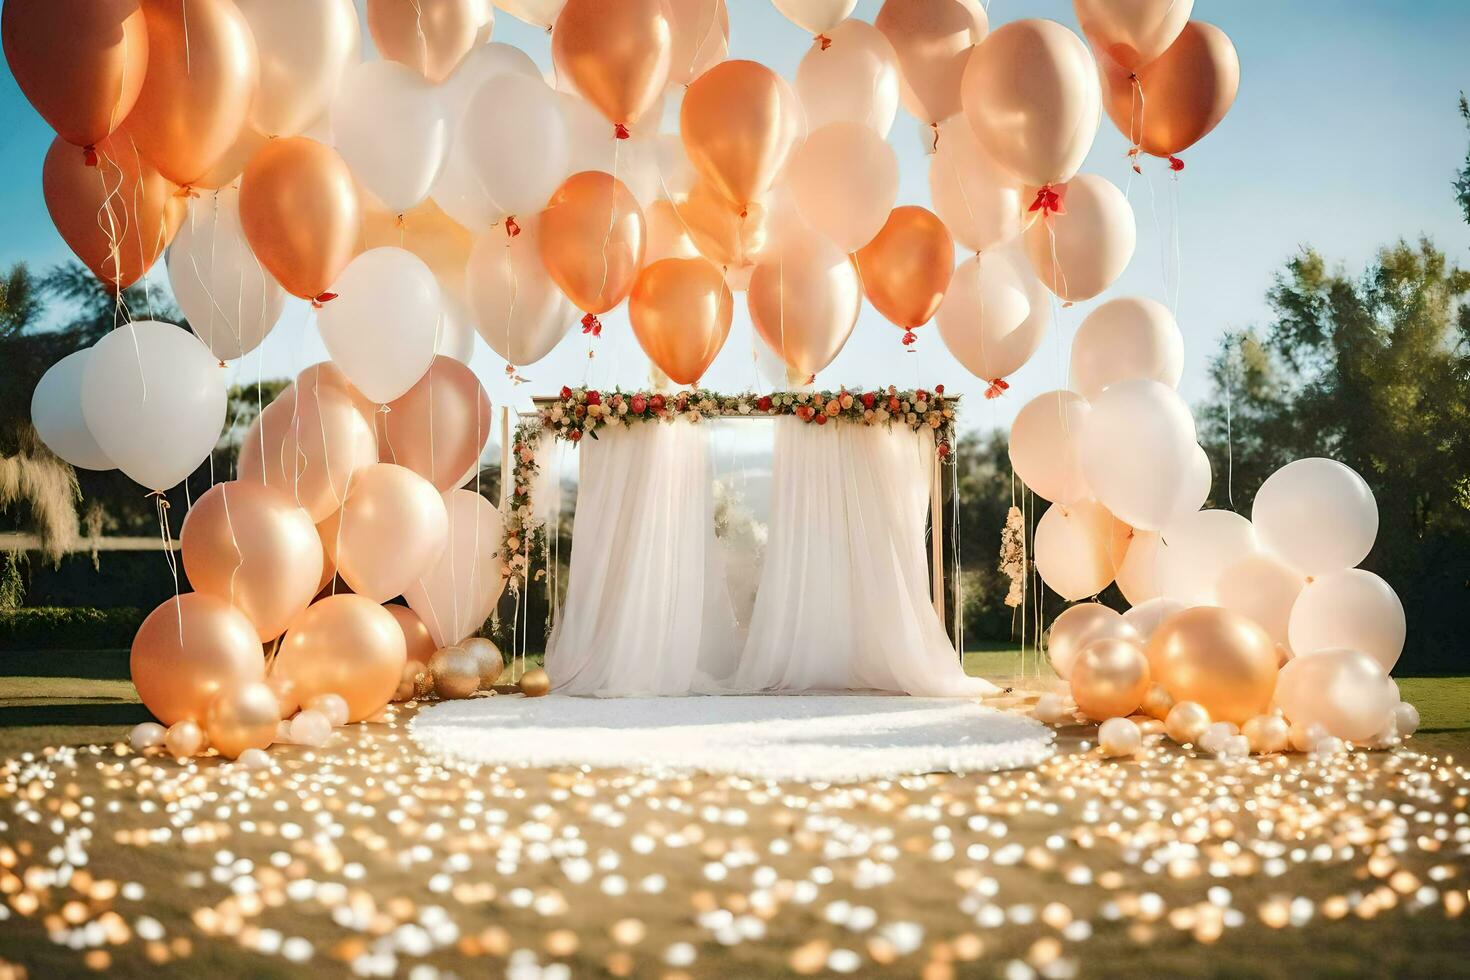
[[68, 628]]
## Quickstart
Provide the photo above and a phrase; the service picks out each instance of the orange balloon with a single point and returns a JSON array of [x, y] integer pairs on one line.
[[117, 216], [616, 53], [254, 547], [421, 645], [717, 228], [738, 126], [391, 528], [299, 211], [243, 718], [592, 240], [681, 311], [1134, 32], [190, 649], [348, 646], [1182, 94], [1217, 658], [804, 301], [700, 37], [430, 36], [80, 62], [932, 39], [439, 426], [202, 76], [907, 268]]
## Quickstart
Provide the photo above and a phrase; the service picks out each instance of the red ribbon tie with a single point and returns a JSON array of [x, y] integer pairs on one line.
[[621, 131], [998, 387], [1048, 201], [592, 325], [321, 298]]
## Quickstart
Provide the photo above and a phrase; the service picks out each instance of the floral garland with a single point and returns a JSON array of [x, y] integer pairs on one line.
[[521, 526]]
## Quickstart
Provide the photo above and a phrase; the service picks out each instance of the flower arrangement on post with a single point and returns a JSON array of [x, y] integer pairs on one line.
[[521, 526]]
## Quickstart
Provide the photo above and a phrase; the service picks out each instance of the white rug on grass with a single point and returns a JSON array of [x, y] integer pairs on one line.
[[837, 738]]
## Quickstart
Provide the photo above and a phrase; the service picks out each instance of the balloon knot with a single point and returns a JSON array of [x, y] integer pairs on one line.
[[934, 147], [511, 228], [159, 498], [186, 191], [998, 387], [1176, 164], [811, 378], [909, 337], [89, 155], [592, 325], [824, 41], [1048, 201], [398, 221], [222, 362], [321, 299], [621, 132]]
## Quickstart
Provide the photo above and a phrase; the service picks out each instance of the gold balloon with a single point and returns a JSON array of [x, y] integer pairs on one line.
[[1217, 658], [1078, 626], [535, 683], [1168, 105], [285, 691], [1135, 32], [616, 53], [243, 718], [81, 63], [1110, 679], [190, 649], [430, 36], [738, 128], [439, 426], [1157, 703], [1186, 722], [699, 37], [415, 678], [932, 39], [681, 311], [907, 267], [1267, 734], [592, 239], [345, 645], [719, 229], [487, 656], [202, 76], [300, 213], [456, 673], [415, 634]]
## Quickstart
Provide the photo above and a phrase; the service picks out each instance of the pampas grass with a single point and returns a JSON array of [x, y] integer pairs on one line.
[[47, 486]]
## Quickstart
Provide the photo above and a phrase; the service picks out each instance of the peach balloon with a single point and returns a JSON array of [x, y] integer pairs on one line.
[[1168, 105], [616, 53], [1071, 549], [729, 236], [1078, 626], [392, 527], [668, 236], [241, 718], [1128, 337], [681, 311], [906, 268], [420, 644], [1138, 569], [1110, 679], [228, 168], [345, 645], [118, 216], [518, 309], [1347, 692], [1132, 32], [932, 39], [1217, 658], [844, 179], [1031, 94], [1083, 248], [851, 78], [439, 427], [190, 649], [979, 200], [592, 240], [738, 126], [300, 213], [256, 548], [457, 592], [804, 302], [994, 316], [430, 36], [699, 37], [285, 691], [201, 80], [81, 63], [1045, 446]]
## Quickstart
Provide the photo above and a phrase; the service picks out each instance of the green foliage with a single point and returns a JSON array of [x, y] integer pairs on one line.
[[67, 628], [1462, 180]]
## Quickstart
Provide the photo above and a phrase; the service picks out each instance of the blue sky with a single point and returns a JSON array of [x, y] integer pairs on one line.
[[1345, 136]]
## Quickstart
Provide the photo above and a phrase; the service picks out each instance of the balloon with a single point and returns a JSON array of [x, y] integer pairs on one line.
[[1136, 444], [1031, 94], [979, 200], [1352, 610], [1080, 251], [681, 311], [540, 13], [1119, 737], [1110, 679], [1138, 571], [155, 401], [718, 229], [304, 50], [845, 180], [299, 210], [229, 299], [1263, 589], [420, 642], [1216, 658], [80, 62], [1347, 692], [243, 718], [228, 168], [429, 36], [932, 39], [1147, 616], [515, 142], [994, 316], [117, 216], [391, 529], [455, 673], [439, 427], [1186, 722], [392, 129], [201, 80], [804, 302], [1130, 337], [1318, 515], [738, 128], [616, 53], [489, 658], [56, 412], [699, 38], [1071, 549], [1173, 102], [1135, 32], [381, 328], [907, 266], [592, 237], [485, 62], [308, 443], [184, 739], [457, 592], [426, 231], [518, 310], [190, 649], [345, 645], [1079, 625], [816, 16], [853, 78], [1046, 446], [1198, 549], [668, 237]]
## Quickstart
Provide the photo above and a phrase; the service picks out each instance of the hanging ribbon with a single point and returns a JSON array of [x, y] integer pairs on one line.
[[998, 387], [321, 299], [592, 325], [621, 132], [89, 155], [1048, 201], [824, 41], [909, 337], [1176, 164], [511, 228]]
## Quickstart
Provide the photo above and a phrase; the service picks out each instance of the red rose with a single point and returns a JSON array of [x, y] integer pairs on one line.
[[869, 399], [638, 404], [921, 395], [821, 419], [575, 435], [939, 389], [565, 392], [593, 398], [657, 402], [944, 450], [764, 403], [893, 404]]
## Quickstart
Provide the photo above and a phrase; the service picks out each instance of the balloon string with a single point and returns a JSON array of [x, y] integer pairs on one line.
[[1230, 362], [161, 505], [1176, 234], [234, 541], [188, 53], [418, 26], [1153, 203]]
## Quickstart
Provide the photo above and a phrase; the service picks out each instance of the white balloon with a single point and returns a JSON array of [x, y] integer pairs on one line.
[[391, 127], [304, 50], [457, 593], [1263, 589], [229, 299], [1347, 692], [56, 412], [855, 79], [845, 181], [456, 335], [978, 199], [1197, 551], [817, 16], [155, 399], [479, 66], [1147, 616], [538, 13], [1194, 487], [381, 328], [1119, 736], [1353, 610], [1138, 572], [1072, 549], [1046, 446], [1317, 514], [517, 308], [1136, 447], [513, 140], [994, 315], [1130, 337]]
